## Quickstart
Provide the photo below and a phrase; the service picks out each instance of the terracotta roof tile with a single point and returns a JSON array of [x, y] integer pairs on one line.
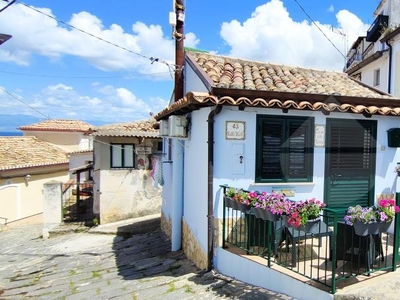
[[231, 73], [28, 151], [59, 125], [144, 128], [235, 82]]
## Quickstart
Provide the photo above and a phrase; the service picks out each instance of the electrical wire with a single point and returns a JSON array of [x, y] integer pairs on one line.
[[81, 77], [27, 105], [8, 5], [152, 59], [315, 24]]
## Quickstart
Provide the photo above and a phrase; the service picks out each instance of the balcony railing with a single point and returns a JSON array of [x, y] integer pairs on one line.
[[375, 30], [331, 254]]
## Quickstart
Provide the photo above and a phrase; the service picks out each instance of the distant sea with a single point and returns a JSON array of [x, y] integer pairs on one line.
[[7, 133]]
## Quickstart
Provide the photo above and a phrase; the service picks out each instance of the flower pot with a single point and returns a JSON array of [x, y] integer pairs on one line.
[[285, 221], [264, 214], [312, 226], [241, 207], [385, 226], [229, 202], [363, 229]]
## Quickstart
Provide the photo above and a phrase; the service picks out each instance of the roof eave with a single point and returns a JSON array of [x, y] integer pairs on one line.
[[283, 100]]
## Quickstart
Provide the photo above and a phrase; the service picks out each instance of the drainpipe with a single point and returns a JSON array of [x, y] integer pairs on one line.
[[210, 212], [390, 66], [177, 195]]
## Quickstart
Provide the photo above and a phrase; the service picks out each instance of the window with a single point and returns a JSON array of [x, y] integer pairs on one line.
[[284, 149], [122, 156], [377, 77]]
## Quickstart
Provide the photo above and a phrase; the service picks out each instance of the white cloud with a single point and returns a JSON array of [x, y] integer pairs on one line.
[[271, 35], [331, 8], [39, 34]]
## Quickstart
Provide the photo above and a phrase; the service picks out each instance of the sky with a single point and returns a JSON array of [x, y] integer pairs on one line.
[[113, 61]]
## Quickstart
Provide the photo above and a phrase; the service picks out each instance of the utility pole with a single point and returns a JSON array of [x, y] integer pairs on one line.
[[179, 48]]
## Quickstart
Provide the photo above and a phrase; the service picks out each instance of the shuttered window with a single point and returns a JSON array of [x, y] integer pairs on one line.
[[351, 147], [284, 149], [122, 155]]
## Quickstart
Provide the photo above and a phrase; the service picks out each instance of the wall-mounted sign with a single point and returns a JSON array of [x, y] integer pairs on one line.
[[319, 136], [289, 191], [235, 130]]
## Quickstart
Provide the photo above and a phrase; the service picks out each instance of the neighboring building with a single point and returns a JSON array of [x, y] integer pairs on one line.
[[265, 127], [125, 155], [71, 135], [374, 59], [80, 160], [26, 163]]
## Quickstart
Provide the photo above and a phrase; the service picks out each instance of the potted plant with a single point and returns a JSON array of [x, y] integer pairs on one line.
[[305, 215], [386, 211], [237, 199], [374, 219], [271, 206], [363, 219]]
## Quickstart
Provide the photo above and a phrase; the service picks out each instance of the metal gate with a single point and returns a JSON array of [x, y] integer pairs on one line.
[[77, 202]]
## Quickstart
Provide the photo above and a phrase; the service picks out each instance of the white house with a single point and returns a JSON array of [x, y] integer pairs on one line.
[[26, 163], [265, 127], [72, 135], [374, 58], [125, 155]]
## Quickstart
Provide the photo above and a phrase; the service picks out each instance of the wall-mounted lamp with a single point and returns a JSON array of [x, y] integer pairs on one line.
[[27, 177]]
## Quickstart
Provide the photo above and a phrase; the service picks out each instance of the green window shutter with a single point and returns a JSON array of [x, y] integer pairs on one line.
[[272, 139], [284, 149], [350, 163]]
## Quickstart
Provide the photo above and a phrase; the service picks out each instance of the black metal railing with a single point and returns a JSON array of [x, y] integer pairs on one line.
[[77, 202], [330, 253]]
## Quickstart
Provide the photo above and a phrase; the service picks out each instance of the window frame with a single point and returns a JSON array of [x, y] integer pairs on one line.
[[284, 153], [122, 147], [377, 77]]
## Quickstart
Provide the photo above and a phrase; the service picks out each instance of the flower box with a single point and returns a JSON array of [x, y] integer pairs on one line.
[[264, 214], [364, 229]]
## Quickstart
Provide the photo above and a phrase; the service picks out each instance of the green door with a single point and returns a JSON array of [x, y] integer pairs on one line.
[[350, 163]]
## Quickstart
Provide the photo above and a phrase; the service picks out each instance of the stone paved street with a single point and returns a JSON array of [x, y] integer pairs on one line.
[[85, 265]]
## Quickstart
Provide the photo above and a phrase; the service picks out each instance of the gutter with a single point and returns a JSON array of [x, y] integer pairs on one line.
[[390, 66], [365, 62], [210, 198]]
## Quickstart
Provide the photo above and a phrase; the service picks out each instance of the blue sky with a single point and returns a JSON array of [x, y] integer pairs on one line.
[[49, 69]]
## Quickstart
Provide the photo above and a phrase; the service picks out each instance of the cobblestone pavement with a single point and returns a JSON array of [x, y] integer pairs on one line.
[[102, 266]]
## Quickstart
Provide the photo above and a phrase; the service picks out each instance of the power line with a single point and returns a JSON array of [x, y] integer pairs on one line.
[[19, 100], [152, 59], [312, 21], [8, 5], [80, 77]]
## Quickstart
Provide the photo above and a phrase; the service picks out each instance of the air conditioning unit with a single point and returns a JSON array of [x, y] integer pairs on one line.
[[143, 150], [164, 128], [177, 126]]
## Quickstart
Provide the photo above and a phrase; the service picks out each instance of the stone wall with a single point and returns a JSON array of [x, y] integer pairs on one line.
[[192, 248], [166, 225]]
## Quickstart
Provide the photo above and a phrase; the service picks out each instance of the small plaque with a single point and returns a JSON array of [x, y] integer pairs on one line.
[[289, 191], [235, 130]]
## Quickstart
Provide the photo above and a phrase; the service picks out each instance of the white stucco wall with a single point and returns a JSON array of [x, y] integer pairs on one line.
[[22, 201], [123, 193], [367, 75], [226, 164], [127, 194], [70, 141]]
